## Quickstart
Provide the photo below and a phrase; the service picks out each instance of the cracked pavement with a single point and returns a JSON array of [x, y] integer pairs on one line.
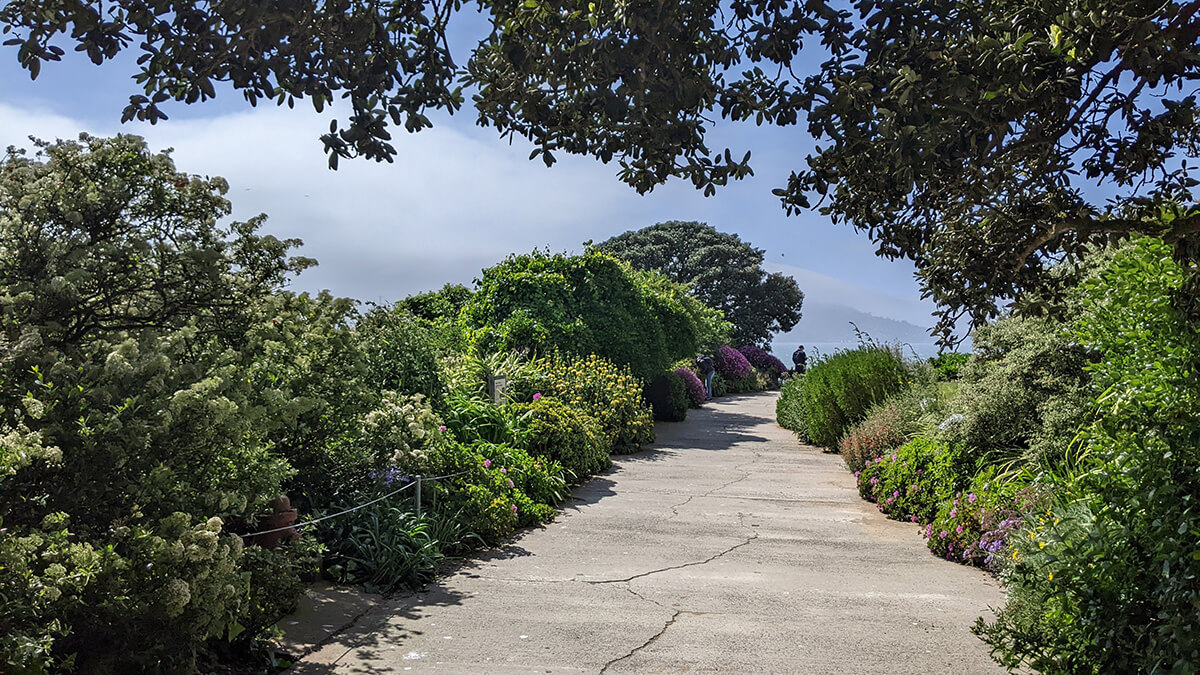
[[725, 547]]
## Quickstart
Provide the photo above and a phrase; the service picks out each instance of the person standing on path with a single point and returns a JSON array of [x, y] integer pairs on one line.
[[799, 360], [707, 368]]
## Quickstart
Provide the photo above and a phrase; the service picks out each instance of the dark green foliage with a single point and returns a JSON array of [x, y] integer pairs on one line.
[[911, 482], [503, 487], [668, 396], [838, 390], [382, 546], [1106, 582], [719, 386], [789, 409], [399, 354], [551, 429], [948, 366], [438, 312], [721, 270], [476, 418], [275, 581], [588, 304], [744, 385]]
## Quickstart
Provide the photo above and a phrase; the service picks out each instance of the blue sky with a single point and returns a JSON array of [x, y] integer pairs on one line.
[[457, 199]]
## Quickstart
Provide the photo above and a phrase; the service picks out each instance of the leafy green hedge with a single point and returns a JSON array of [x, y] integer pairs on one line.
[[668, 397], [582, 305], [551, 429], [789, 409], [838, 390]]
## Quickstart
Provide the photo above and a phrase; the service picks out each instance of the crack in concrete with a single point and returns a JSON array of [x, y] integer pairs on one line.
[[727, 551], [647, 643]]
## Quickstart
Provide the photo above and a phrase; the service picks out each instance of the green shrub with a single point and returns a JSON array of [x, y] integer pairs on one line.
[[474, 417], [912, 482], [502, 488], [581, 305], [1106, 581], [668, 397], [894, 422], [130, 432], [549, 428], [789, 409], [838, 390], [607, 393], [399, 354], [275, 580], [1023, 394], [383, 546], [948, 366]]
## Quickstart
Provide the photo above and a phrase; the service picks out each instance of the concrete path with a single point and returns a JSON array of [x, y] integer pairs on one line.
[[727, 547]]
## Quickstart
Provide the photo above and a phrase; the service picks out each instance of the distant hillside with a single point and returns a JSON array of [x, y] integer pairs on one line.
[[824, 322]]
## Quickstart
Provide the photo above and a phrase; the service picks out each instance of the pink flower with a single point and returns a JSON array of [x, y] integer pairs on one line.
[[535, 397], [874, 480], [895, 493], [971, 498], [891, 499], [893, 456], [510, 484], [919, 471], [514, 509], [442, 428], [953, 512], [487, 463], [958, 529], [944, 533], [856, 473], [913, 518], [503, 470]]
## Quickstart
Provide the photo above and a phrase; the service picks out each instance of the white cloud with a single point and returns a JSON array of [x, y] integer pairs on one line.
[[455, 200]]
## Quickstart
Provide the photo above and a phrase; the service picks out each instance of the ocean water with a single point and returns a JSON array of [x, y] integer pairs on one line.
[[783, 348]]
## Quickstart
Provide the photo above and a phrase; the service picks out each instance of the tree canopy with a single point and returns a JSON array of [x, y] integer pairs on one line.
[[965, 136], [721, 270]]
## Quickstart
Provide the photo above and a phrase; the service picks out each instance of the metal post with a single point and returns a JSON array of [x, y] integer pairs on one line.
[[418, 496]]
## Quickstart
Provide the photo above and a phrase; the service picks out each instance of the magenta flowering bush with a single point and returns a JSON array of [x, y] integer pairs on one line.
[[974, 527], [731, 364], [763, 360], [695, 388], [911, 482]]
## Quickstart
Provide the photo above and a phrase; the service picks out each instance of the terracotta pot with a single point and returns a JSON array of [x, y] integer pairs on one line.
[[282, 516]]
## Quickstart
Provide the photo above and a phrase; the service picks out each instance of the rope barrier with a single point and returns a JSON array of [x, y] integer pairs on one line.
[[306, 523]]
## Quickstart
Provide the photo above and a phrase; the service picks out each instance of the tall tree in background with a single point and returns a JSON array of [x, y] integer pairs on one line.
[[966, 136], [722, 270]]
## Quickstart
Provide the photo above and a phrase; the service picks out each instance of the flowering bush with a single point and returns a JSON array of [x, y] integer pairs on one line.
[[875, 436], [731, 364], [695, 388], [911, 482], [608, 393], [763, 360], [402, 425], [549, 428], [975, 525]]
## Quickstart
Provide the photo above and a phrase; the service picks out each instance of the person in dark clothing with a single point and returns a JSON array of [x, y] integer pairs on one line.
[[799, 360], [707, 368]]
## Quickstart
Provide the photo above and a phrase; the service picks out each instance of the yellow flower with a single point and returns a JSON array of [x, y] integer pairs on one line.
[[1041, 544], [1052, 576]]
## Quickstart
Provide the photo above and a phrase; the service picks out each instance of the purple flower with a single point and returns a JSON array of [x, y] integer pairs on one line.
[[503, 470], [944, 533], [895, 493], [874, 480], [487, 463], [913, 518], [535, 397], [856, 473], [958, 529], [953, 513], [919, 471], [731, 364], [971, 498]]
